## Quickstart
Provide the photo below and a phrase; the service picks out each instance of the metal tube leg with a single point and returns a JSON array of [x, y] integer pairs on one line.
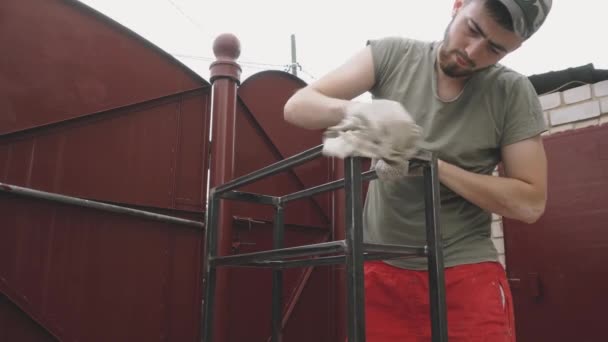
[[435, 254], [277, 279], [210, 270], [354, 250]]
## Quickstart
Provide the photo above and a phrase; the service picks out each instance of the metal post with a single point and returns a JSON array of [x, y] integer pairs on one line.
[[277, 278], [354, 250], [294, 61], [225, 77], [435, 253], [209, 282], [339, 272]]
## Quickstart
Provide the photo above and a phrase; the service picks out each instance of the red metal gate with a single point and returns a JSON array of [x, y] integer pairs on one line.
[[557, 266], [94, 111]]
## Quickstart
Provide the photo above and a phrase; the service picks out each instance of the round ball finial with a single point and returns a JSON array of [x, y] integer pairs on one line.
[[227, 46]]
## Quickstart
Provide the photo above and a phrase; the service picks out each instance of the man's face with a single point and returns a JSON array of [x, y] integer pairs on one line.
[[473, 40]]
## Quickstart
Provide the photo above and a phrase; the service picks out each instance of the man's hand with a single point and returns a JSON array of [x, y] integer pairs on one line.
[[382, 130]]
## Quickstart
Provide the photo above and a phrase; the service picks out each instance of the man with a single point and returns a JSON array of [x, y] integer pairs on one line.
[[475, 114]]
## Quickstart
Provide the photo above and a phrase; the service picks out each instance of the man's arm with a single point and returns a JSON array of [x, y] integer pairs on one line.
[[323, 103], [520, 195]]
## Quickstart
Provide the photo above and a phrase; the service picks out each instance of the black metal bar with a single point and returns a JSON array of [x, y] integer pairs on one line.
[[365, 176], [423, 156], [283, 264], [210, 270], [250, 197], [69, 200], [277, 277], [435, 254], [299, 251], [354, 250], [395, 249], [272, 169], [317, 261]]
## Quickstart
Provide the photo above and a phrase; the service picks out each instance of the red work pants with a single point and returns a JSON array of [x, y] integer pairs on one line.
[[478, 300]]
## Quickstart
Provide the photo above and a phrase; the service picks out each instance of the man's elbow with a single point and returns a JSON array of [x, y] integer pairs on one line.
[[290, 110], [533, 212]]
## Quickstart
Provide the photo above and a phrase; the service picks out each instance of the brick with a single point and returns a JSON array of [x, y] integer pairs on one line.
[[600, 88], [550, 101], [604, 105], [562, 128], [502, 260], [546, 117], [499, 243], [497, 229], [577, 94], [577, 112], [587, 123]]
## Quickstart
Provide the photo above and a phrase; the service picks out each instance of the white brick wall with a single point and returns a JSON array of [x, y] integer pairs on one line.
[[577, 94], [551, 101], [572, 109], [604, 105], [576, 112], [600, 89], [497, 238]]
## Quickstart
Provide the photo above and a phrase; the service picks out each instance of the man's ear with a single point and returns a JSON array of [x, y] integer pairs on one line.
[[458, 4]]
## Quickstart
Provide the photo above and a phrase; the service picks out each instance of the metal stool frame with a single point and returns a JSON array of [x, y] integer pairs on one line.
[[351, 251]]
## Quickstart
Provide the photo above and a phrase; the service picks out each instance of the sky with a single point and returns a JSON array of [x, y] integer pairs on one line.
[[328, 32]]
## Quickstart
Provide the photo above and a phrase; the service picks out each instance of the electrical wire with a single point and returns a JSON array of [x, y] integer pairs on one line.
[[563, 86], [192, 21], [308, 74], [209, 59]]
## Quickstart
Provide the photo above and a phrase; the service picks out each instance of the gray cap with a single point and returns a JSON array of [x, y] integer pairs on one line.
[[528, 15]]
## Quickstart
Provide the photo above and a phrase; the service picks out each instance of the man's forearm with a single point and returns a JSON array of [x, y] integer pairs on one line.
[[310, 109], [507, 197]]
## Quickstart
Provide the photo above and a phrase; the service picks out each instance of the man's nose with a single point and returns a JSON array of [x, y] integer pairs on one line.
[[474, 49]]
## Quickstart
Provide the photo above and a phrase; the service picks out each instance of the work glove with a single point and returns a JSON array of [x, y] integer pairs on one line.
[[381, 130]]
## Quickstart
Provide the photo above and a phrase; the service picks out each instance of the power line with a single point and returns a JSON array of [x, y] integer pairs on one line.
[[307, 73], [209, 59], [204, 58], [252, 65], [192, 21]]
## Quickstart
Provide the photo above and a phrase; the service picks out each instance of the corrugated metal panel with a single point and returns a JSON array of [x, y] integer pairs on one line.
[[15, 325], [263, 137], [88, 275], [557, 266], [61, 60], [148, 155], [306, 291], [92, 110]]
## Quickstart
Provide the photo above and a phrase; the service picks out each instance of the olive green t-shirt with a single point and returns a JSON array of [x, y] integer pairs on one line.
[[497, 107]]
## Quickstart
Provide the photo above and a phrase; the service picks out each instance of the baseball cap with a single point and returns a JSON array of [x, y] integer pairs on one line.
[[528, 15]]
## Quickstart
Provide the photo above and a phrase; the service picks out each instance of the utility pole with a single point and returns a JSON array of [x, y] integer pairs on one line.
[[294, 62]]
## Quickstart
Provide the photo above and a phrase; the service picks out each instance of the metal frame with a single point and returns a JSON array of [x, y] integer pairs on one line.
[[351, 251]]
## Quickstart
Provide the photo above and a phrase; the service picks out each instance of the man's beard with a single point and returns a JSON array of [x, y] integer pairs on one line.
[[449, 67]]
